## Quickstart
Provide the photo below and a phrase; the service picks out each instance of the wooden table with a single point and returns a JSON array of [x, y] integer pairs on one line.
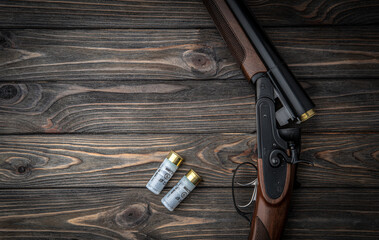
[[94, 94]]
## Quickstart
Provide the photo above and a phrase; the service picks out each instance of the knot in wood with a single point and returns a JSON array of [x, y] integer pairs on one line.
[[19, 165], [134, 215], [8, 92], [6, 40], [21, 169], [202, 62], [11, 94], [24, 169]]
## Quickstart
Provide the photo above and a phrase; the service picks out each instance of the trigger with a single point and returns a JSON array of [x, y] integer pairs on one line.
[[295, 157]]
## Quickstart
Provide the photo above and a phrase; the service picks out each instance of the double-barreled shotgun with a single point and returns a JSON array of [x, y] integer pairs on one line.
[[280, 101]]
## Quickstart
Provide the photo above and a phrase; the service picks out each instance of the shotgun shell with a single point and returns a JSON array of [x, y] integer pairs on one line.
[[181, 190], [164, 172]]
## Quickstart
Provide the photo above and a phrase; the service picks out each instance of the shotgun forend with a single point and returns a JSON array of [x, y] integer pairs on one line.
[[279, 100]]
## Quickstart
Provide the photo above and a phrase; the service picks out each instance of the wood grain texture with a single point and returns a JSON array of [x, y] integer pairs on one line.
[[152, 106], [30, 55], [93, 95], [333, 214], [341, 160], [146, 106], [138, 214], [178, 13]]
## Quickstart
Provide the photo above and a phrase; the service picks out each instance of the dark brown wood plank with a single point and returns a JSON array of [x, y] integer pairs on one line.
[[333, 214], [341, 160], [128, 107], [205, 214], [178, 13], [343, 105], [150, 106], [30, 55]]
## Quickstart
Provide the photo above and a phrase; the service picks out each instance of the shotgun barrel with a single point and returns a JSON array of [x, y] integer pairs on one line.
[[256, 55]]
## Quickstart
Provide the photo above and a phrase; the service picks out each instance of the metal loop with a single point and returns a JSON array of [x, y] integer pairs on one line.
[[253, 196]]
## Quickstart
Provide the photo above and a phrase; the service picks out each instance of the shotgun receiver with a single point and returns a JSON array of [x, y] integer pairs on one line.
[[280, 101]]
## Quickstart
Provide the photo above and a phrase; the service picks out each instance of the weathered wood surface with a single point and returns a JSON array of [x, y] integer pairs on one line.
[[178, 13], [139, 78], [176, 54], [341, 160], [152, 106], [116, 213]]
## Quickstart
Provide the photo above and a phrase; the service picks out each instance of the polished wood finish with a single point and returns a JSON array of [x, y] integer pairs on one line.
[[270, 214]]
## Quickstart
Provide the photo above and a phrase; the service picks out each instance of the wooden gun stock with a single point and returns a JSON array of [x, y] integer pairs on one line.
[[270, 214]]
